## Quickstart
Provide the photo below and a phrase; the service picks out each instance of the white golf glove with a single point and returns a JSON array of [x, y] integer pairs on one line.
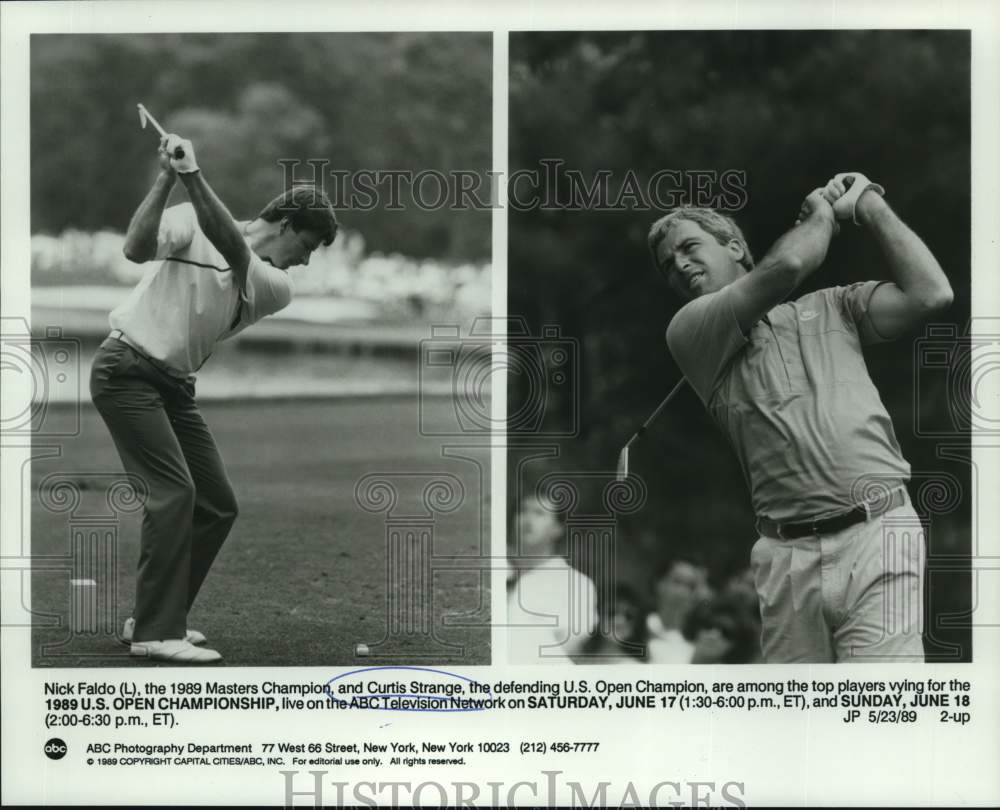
[[844, 191], [181, 153]]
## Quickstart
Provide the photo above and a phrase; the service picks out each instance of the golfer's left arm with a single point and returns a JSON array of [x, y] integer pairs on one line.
[[218, 225], [214, 219], [921, 289]]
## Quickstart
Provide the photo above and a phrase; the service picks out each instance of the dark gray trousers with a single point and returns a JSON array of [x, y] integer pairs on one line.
[[190, 505]]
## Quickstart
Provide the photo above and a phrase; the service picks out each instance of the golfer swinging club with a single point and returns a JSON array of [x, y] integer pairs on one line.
[[787, 384], [215, 278]]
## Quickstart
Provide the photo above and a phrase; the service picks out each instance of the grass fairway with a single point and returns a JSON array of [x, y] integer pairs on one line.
[[303, 577]]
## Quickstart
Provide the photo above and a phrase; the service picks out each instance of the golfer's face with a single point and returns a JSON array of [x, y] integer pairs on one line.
[[294, 247], [694, 261]]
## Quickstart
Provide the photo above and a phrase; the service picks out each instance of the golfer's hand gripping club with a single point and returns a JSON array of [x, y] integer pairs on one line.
[[844, 191], [180, 153], [816, 199]]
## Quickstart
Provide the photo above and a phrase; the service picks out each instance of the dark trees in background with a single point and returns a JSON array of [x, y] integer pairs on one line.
[[410, 101]]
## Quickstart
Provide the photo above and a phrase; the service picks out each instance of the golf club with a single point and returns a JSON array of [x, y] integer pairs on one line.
[[623, 455], [144, 116]]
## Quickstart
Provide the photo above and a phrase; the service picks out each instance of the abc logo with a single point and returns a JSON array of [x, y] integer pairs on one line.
[[55, 748]]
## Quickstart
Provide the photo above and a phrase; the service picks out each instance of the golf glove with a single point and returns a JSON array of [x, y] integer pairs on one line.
[[846, 189], [181, 152]]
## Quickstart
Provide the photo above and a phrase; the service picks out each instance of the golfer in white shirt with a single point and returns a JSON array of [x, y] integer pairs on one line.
[[214, 278]]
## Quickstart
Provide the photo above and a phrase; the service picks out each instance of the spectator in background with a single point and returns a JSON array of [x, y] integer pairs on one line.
[[625, 619], [551, 606], [723, 630], [741, 587], [741, 580], [682, 584]]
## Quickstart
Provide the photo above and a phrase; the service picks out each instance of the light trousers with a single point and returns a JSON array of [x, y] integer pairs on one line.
[[855, 596]]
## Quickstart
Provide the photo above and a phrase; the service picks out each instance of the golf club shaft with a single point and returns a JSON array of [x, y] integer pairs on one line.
[[656, 413], [145, 116], [153, 121]]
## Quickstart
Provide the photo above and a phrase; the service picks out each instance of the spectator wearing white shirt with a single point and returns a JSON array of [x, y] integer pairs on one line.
[[551, 606], [682, 584]]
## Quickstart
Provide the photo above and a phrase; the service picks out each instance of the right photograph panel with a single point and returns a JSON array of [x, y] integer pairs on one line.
[[740, 391]]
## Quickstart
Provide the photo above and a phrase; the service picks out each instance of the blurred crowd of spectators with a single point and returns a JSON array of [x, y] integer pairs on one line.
[[403, 287], [692, 620], [684, 615]]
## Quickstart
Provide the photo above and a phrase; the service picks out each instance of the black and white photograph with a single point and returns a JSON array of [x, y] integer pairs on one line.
[[755, 245], [499, 404], [238, 258]]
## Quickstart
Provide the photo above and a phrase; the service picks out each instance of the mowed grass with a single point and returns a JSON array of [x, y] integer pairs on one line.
[[302, 578]]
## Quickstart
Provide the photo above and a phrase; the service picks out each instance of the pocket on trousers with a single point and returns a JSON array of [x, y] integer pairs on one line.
[[111, 359], [759, 563], [901, 542]]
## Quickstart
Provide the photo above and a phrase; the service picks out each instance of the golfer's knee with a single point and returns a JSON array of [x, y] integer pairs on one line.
[[224, 503], [179, 495], [232, 508]]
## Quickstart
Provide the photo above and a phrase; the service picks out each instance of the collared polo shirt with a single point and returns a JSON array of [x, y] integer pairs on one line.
[[190, 300], [793, 397]]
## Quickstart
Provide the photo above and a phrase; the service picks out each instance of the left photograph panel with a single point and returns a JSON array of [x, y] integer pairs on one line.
[[258, 349]]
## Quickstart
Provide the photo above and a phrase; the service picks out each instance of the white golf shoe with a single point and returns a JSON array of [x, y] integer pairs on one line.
[[174, 651], [192, 637]]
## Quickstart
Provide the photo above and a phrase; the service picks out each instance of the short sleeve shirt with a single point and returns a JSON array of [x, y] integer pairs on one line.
[[793, 397], [190, 300]]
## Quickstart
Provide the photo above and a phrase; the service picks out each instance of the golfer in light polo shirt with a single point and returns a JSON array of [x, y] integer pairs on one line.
[[788, 385], [214, 277]]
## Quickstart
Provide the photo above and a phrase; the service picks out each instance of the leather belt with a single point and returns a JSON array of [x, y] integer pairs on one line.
[[118, 334], [835, 523]]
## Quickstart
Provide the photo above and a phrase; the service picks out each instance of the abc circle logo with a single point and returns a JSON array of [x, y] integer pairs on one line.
[[55, 748]]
